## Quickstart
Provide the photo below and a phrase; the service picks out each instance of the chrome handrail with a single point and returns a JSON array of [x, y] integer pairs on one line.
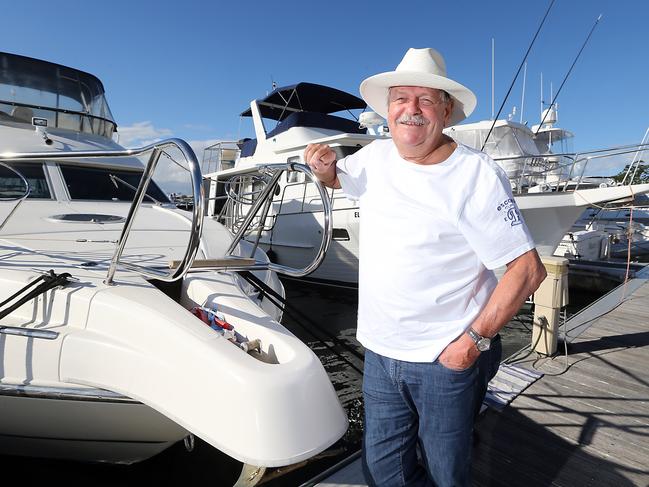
[[274, 172], [18, 199], [156, 150], [576, 165]]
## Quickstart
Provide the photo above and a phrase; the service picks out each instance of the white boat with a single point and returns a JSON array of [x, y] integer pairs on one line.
[[104, 360], [550, 189], [609, 233], [613, 231]]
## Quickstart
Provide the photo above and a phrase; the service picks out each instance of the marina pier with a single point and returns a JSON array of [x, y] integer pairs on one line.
[[585, 421]]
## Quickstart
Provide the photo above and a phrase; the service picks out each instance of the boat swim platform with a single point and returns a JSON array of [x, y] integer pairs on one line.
[[581, 424]]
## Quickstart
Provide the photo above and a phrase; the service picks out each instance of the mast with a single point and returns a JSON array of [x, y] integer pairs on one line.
[[529, 48], [553, 99], [493, 55]]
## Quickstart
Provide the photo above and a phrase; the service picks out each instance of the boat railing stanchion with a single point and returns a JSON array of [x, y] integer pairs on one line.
[[519, 190], [572, 168], [583, 171], [137, 201], [17, 198], [197, 213], [263, 202]]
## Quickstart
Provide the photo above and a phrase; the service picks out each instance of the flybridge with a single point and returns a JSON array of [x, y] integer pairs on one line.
[[67, 98], [306, 105], [305, 97]]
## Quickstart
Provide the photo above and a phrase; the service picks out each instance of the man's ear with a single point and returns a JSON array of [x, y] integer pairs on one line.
[[447, 111]]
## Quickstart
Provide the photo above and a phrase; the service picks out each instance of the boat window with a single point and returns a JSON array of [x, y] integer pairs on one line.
[[35, 176], [502, 142], [106, 184], [525, 141], [66, 97]]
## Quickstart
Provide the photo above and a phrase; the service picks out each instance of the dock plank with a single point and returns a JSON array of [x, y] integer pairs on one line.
[[587, 425]]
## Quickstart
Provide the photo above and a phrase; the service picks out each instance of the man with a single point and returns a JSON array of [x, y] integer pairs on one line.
[[436, 218]]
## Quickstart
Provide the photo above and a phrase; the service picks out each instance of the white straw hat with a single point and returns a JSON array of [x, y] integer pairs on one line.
[[419, 67]]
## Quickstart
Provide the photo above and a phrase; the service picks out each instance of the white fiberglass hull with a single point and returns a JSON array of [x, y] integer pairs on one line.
[[91, 430], [549, 216], [171, 373]]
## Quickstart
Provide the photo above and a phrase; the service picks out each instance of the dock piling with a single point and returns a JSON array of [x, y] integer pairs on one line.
[[549, 299]]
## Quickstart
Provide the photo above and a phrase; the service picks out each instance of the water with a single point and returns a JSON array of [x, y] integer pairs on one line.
[[325, 318]]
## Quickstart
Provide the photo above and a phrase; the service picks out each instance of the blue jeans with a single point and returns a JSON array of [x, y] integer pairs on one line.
[[414, 404]]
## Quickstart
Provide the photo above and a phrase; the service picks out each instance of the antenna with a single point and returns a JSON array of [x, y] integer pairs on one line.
[[493, 56], [523, 95], [273, 85], [541, 91], [569, 71], [519, 70]]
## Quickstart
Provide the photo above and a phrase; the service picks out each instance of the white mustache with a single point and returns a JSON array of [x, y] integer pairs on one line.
[[416, 119]]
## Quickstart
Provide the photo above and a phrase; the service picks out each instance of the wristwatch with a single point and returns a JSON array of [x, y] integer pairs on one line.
[[482, 343]]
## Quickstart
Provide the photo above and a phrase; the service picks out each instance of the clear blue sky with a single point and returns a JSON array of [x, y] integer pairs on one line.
[[189, 68]]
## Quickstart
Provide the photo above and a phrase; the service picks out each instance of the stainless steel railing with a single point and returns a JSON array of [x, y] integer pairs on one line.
[[156, 149], [566, 171], [17, 198], [251, 219]]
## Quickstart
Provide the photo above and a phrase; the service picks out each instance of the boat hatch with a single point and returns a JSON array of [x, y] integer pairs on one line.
[[87, 218]]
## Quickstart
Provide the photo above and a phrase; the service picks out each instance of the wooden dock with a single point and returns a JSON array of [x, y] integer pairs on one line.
[[585, 422]]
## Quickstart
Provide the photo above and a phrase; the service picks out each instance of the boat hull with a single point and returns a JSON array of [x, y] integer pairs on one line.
[[106, 431], [549, 216], [272, 408]]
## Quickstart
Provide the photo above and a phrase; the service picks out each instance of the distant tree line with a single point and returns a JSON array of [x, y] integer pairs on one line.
[[641, 174]]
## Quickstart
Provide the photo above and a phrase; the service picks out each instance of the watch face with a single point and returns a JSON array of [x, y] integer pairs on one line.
[[484, 344]]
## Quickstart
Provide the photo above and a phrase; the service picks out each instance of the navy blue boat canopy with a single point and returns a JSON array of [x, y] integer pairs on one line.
[[305, 97]]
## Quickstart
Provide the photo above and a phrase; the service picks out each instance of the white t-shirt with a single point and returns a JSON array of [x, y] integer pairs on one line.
[[430, 236]]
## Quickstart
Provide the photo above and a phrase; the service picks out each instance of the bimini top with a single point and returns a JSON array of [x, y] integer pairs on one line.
[[305, 97], [66, 97]]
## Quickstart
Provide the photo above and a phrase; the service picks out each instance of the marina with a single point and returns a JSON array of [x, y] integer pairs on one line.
[[581, 419], [180, 294], [549, 184]]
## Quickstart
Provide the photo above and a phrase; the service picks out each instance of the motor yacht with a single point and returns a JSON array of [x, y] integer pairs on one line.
[[551, 189], [127, 324]]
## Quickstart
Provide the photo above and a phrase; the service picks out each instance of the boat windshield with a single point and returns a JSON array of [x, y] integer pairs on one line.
[[106, 184], [555, 140], [504, 141], [66, 97]]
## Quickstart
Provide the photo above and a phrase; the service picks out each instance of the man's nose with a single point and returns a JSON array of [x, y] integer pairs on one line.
[[412, 107]]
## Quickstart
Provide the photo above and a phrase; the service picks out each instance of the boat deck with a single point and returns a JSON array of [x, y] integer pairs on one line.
[[584, 425]]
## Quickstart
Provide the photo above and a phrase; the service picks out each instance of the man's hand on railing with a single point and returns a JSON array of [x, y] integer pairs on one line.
[[322, 160]]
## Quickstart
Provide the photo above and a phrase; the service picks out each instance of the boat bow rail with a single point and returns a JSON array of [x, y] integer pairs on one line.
[[539, 173], [248, 194], [156, 150]]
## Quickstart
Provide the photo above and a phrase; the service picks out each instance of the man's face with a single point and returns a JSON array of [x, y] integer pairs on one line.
[[416, 117]]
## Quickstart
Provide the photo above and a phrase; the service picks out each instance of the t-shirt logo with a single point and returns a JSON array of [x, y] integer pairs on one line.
[[510, 210]]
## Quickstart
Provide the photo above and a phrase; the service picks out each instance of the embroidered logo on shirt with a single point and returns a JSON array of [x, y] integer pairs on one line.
[[511, 212]]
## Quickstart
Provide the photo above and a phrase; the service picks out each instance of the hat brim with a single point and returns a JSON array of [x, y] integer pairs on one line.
[[374, 91]]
